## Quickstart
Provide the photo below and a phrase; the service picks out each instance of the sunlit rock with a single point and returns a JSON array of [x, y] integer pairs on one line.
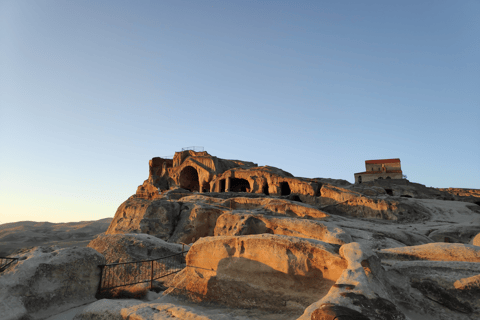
[[46, 281], [267, 271]]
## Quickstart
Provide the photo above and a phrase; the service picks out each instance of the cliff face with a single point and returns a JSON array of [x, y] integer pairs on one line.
[[311, 248]]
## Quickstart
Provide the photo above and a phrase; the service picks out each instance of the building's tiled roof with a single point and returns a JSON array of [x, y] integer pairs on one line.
[[376, 172], [396, 160]]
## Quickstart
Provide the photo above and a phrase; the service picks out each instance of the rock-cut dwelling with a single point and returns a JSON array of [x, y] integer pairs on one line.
[[380, 169], [201, 172]]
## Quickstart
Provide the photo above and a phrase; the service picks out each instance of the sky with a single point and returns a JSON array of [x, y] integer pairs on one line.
[[90, 91]]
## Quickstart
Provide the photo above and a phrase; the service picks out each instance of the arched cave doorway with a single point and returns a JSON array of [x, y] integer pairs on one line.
[[189, 179], [222, 186], [265, 189], [389, 178], [296, 198], [284, 189], [239, 185], [205, 187], [359, 179]]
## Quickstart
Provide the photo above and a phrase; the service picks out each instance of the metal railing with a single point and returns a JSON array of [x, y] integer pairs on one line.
[[194, 148], [5, 262], [123, 274]]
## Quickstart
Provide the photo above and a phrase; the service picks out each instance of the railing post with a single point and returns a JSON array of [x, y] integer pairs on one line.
[[151, 277], [99, 288]]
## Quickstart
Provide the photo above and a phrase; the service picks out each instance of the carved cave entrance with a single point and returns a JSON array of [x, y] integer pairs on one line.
[[284, 189], [222, 186], [189, 179], [265, 189], [239, 185], [205, 187]]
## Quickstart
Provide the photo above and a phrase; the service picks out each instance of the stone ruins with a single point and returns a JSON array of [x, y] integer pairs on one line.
[[380, 169]]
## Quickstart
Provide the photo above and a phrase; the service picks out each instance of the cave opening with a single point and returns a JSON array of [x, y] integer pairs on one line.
[[284, 189], [222, 186], [296, 198], [189, 179], [389, 192], [205, 187], [265, 189], [239, 185]]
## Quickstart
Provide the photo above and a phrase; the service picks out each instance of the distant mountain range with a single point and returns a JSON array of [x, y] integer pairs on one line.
[[25, 234]]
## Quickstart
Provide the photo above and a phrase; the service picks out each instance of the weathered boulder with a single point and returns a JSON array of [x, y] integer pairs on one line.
[[235, 224], [132, 247], [268, 271], [137, 215], [47, 280]]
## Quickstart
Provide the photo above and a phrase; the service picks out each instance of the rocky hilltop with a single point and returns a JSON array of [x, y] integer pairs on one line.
[[267, 245], [263, 238], [27, 234]]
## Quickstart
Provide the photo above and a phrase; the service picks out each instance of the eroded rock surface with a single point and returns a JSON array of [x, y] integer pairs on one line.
[[264, 239], [269, 271], [236, 224], [49, 280]]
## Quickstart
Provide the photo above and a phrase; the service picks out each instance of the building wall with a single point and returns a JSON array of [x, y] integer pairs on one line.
[[378, 166], [374, 176]]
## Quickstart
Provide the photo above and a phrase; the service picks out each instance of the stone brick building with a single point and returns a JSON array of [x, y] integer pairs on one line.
[[380, 169]]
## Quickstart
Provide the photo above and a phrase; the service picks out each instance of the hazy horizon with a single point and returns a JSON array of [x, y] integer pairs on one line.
[[91, 91]]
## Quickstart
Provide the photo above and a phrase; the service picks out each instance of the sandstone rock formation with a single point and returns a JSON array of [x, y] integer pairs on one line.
[[236, 224], [311, 248], [268, 271], [49, 280]]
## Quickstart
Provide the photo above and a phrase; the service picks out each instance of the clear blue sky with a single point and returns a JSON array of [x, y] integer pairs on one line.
[[91, 90]]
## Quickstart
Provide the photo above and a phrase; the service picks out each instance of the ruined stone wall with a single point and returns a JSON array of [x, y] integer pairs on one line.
[[374, 176], [378, 166], [157, 164]]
